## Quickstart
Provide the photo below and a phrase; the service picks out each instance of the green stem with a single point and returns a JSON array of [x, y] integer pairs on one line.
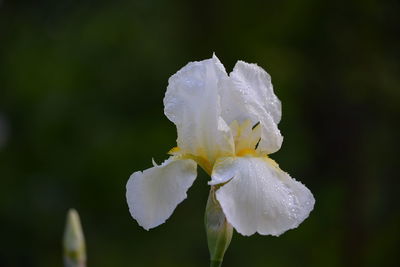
[[216, 263]]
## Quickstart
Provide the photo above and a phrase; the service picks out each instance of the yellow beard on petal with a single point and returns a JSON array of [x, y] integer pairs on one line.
[[201, 161], [174, 151], [247, 152]]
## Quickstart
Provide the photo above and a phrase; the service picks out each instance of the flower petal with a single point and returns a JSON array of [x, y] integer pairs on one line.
[[260, 197], [192, 103], [248, 95], [153, 194]]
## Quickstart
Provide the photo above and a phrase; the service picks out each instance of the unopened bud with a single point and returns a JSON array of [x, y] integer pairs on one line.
[[74, 241], [219, 230]]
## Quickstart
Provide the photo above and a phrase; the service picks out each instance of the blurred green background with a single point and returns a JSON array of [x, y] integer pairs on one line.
[[81, 90]]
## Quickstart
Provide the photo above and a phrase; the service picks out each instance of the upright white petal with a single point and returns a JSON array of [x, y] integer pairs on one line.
[[153, 194], [248, 95], [260, 197], [192, 103]]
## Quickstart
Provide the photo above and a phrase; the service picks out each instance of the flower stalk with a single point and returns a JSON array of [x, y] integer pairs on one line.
[[219, 230], [74, 241]]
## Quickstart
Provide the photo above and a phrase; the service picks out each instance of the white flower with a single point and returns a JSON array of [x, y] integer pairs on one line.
[[227, 124]]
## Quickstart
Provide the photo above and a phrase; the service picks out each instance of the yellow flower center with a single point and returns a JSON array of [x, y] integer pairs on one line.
[[246, 152], [245, 137]]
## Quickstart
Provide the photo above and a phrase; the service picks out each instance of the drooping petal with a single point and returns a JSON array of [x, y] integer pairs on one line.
[[192, 103], [153, 194], [260, 197], [248, 95]]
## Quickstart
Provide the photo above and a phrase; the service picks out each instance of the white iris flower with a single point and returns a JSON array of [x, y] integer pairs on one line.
[[228, 125]]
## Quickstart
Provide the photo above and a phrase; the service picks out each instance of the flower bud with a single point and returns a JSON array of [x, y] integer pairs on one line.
[[218, 229], [74, 241]]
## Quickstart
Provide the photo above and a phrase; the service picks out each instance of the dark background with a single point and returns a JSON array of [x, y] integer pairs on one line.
[[81, 90]]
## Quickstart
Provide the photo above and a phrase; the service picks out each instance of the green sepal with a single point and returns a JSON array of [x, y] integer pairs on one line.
[[219, 230]]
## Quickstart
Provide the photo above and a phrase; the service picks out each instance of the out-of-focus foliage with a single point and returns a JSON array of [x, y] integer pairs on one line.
[[81, 89]]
